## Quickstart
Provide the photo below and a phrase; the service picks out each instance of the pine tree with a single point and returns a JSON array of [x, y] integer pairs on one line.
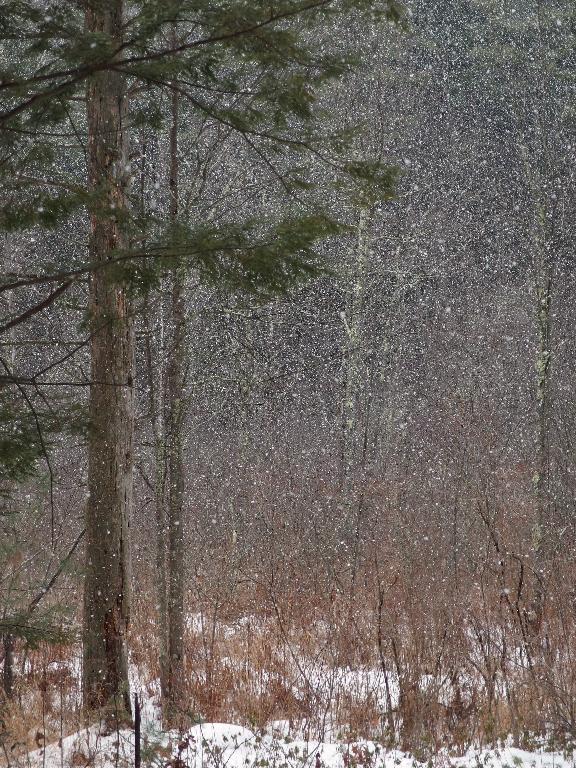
[[67, 76]]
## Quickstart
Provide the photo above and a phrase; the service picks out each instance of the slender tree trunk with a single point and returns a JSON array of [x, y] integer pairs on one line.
[[383, 661], [161, 560], [176, 574], [542, 475], [107, 580], [355, 399], [174, 451], [154, 323], [8, 671], [539, 175], [8, 639], [354, 372], [156, 393]]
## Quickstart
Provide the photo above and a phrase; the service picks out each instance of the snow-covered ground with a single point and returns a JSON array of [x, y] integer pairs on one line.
[[222, 745], [281, 745]]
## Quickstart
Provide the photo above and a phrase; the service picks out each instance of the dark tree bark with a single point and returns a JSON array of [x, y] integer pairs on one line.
[[107, 580], [174, 441]]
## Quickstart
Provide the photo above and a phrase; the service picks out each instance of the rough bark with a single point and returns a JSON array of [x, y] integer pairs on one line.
[[176, 576], [174, 453], [111, 407]]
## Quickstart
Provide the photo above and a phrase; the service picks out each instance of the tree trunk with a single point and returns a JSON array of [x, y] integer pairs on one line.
[[176, 576], [539, 174], [156, 394], [354, 358], [354, 404], [111, 408], [542, 475], [8, 671], [8, 639], [174, 453], [537, 180]]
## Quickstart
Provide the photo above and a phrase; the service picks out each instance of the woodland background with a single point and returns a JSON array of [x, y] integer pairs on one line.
[[376, 468]]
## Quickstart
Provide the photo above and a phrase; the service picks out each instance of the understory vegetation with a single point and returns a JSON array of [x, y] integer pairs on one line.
[[340, 656]]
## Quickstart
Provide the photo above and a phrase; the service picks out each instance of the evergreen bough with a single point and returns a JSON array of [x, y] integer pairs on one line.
[[261, 69]]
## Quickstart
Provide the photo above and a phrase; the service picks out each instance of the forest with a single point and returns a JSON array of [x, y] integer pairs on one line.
[[287, 383]]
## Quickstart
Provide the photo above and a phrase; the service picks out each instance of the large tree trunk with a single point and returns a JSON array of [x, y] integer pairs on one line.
[[107, 580], [176, 576], [174, 453]]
